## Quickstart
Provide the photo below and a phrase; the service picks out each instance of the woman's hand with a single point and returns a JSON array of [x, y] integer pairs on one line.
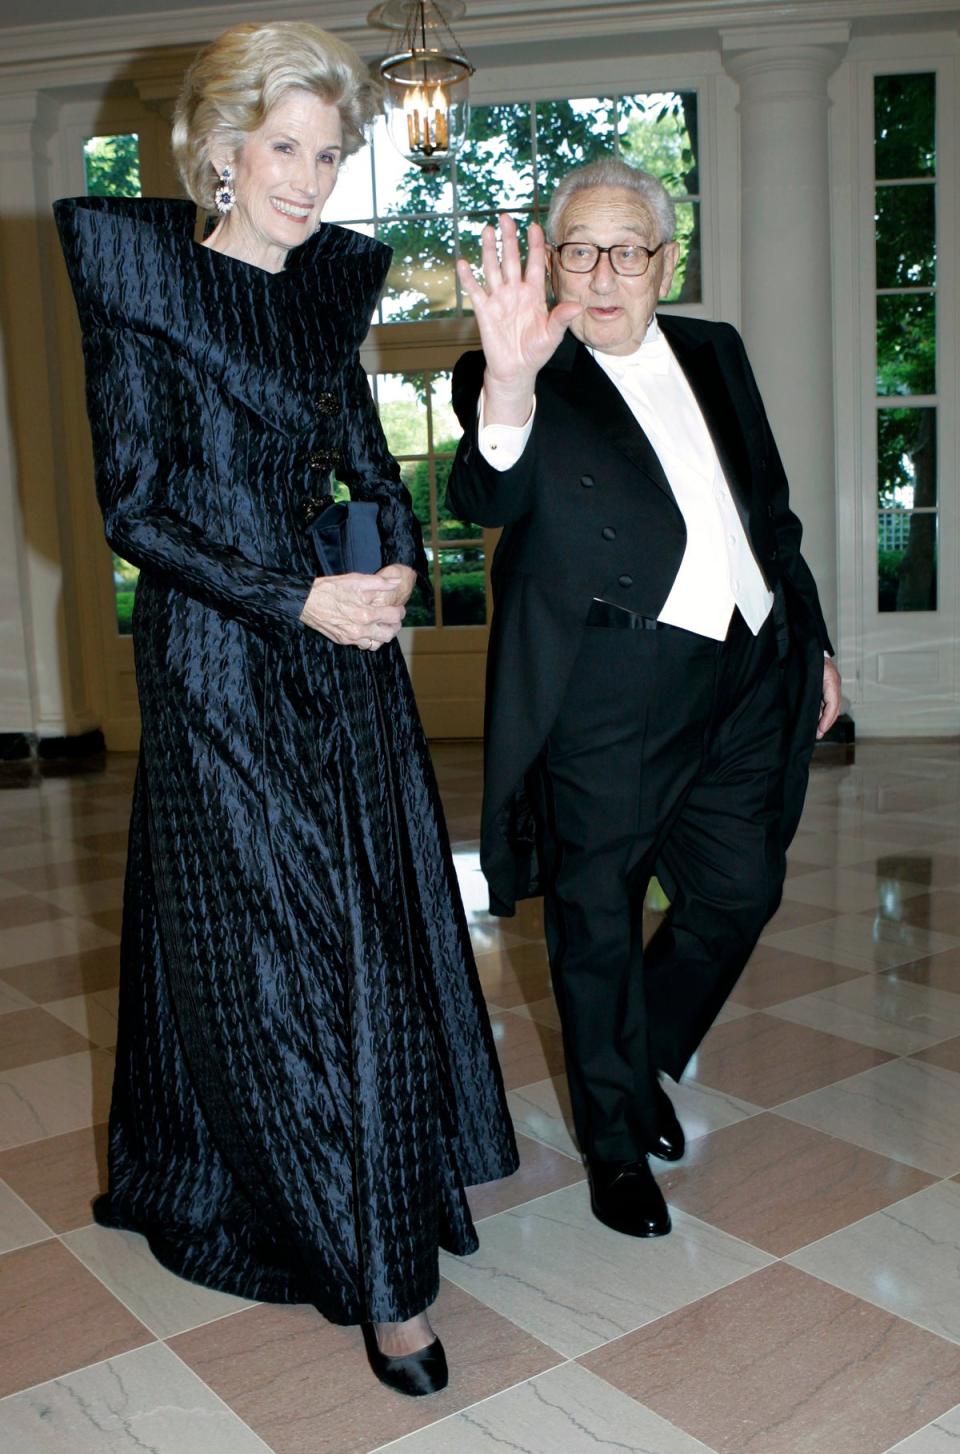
[[357, 610], [518, 331], [403, 578]]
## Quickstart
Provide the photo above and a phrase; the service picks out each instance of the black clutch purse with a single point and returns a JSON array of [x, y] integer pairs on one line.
[[346, 536]]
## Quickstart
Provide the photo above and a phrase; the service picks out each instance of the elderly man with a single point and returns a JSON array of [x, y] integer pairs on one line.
[[658, 658]]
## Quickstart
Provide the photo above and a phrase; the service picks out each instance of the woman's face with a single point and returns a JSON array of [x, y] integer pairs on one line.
[[282, 176]]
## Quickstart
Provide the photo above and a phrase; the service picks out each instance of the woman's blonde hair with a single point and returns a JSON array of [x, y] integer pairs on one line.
[[236, 80]]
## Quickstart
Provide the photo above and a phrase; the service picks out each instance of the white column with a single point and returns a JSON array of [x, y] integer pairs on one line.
[[41, 659], [786, 305]]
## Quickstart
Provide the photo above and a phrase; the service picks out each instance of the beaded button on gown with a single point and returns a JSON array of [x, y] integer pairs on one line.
[[306, 1077]]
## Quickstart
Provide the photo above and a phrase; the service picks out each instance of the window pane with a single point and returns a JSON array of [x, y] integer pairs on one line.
[[112, 165], [421, 610], [686, 286], [352, 197], [421, 282], [906, 344], [906, 237], [570, 133], [658, 132], [906, 458], [446, 425], [402, 402], [401, 185], [125, 579], [415, 474], [463, 591], [494, 170], [907, 561], [905, 125]]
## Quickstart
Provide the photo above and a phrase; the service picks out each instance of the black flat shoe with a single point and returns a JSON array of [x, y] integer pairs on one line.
[[415, 1374], [625, 1197], [671, 1142]]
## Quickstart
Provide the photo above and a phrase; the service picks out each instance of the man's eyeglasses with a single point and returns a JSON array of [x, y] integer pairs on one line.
[[628, 259]]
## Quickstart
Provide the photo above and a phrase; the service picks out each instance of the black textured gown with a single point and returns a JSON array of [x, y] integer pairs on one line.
[[306, 1076]]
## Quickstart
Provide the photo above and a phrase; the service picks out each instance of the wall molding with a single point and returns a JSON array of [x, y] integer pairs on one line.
[[53, 49]]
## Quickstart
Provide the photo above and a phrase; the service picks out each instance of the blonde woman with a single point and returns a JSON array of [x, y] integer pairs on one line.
[[306, 1078]]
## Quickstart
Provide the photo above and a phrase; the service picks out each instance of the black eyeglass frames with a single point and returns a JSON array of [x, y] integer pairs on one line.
[[629, 259]]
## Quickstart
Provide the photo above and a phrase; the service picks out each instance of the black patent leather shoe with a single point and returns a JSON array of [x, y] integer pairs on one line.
[[624, 1196], [415, 1374], [671, 1142]]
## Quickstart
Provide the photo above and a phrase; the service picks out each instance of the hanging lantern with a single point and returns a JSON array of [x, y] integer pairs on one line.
[[426, 83]]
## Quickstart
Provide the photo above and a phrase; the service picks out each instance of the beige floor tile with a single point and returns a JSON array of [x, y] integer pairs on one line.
[[84, 899], [565, 1411], [515, 976], [11, 999], [906, 1258], [938, 972], [939, 910], [15, 857], [542, 1111], [542, 1170], [703, 1110], [732, 1011], [765, 1061], [773, 975], [94, 1016], [57, 1318], [863, 943], [29, 1036], [47, 877], [19, 910], [54, 1096], [850, 890], [780, 1185], [544, 1011], [113, 840], [9, 889], [880, 1010], [19, 1226], [50, 940], [305, 1386], [940, 1437], [163, 1302], [60, 1176], [795, 915], [781, 1363], [66, 976], [552, 1268], [932, 869], [828, 848], [908, 1109], [139, 1401], [946, 1054], [527, 1051]]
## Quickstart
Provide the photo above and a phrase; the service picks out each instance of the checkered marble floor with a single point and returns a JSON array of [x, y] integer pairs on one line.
[[807, 1300]]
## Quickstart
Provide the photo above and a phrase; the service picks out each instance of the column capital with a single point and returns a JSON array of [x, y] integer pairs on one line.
[[811, 53], [27, 121]]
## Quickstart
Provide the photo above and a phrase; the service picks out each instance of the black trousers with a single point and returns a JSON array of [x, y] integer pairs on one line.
[[667, 750]]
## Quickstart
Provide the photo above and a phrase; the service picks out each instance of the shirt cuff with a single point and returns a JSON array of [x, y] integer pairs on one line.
[[501, 445]]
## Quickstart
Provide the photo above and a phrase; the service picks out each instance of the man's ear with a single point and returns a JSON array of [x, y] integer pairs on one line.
[[671, 256]]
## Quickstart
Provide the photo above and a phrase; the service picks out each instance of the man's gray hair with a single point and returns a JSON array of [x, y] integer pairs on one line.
[[612, 172]]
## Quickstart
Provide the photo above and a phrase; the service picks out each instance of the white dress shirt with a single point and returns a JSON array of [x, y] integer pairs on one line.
[[718, 570]]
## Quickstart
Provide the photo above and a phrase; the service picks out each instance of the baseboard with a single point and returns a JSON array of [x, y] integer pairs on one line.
[[25, 759]]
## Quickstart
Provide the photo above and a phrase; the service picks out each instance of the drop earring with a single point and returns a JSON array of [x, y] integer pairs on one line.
[[225, 196]]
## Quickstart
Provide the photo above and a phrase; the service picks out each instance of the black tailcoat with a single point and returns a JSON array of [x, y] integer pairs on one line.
[[587, 511]]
